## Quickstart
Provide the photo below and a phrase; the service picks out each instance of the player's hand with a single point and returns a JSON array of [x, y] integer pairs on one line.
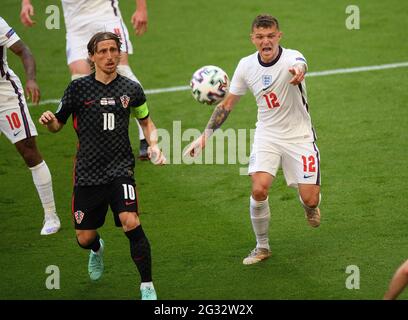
[[195, 148], [156, 155], [32, 91], [298, 75], [139, 21], [27, 11], [47, 118]]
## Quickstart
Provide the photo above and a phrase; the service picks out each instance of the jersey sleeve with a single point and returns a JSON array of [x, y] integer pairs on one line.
[[138, 105], [296, 57], [67, 105], [8, 36], [238, 84]]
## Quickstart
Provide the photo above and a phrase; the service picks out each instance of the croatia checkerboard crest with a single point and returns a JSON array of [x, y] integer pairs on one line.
[[79, 215], [125, 101], [209, 85]]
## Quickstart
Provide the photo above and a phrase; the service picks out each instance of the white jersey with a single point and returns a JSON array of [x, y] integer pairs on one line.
[[15, 119], [78, 13], [282, 107], [9, 82]]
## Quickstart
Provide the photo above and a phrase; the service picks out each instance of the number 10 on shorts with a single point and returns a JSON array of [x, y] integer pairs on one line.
[[128, 192]]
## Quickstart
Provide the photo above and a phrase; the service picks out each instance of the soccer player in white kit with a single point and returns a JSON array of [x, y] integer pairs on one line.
[[284, 135], [16, 123], [84, 18]]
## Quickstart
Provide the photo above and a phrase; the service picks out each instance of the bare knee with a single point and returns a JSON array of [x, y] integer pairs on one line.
[[28, 150], [311, 200], [259, 192], [85, 239], [129, 220]]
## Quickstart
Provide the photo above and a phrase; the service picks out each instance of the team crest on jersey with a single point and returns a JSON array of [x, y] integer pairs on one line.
[[79, 215], [125, 101], [266, 80]]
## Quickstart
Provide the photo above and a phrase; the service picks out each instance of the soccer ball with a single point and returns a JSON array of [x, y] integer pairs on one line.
[[209, 85]]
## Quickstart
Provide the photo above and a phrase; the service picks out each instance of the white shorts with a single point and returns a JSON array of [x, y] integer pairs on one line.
[[300, 162], [77, 39], [15, 119]]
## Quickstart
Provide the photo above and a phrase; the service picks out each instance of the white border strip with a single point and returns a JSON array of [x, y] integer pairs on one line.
[[310, 74]]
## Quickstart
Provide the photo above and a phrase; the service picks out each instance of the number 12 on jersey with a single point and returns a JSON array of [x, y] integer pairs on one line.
[[271, 100]]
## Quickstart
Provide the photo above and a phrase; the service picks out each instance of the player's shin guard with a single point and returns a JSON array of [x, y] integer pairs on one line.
[[43, 183], [260, 217], [140, 252]]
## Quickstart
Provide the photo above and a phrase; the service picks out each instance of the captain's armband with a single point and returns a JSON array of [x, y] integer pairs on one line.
[[140, 112]]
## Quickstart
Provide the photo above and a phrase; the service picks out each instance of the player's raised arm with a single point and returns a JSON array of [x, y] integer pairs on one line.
[[298, 71], [139, 17], [31, 88], [27, 11], [218, 117]]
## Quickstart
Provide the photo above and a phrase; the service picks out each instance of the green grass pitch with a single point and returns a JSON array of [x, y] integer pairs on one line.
[[196, 216]]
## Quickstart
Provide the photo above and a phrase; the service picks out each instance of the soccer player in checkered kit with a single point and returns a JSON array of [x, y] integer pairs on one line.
[[16, 123], [101, 105], [84, 18], [284, 135]]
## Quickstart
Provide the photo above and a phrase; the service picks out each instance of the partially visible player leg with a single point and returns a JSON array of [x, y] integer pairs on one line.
[[79, 68], [140, 252], [42, 181], [125, 70], [301, 167], [124, 205], [309, 196], [260, 216], [90, 240]]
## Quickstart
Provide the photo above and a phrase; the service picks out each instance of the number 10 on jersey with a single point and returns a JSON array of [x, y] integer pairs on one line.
[[108, 121]]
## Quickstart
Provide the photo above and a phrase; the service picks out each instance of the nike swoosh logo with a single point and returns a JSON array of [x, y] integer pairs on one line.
[[264, 89], [87, 103], [16, 133], [308, 176], [128, 203]]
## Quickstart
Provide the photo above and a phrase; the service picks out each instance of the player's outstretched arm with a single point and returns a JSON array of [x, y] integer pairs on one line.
[[398, 283], [298, 71], [27, 11], [218, 117], [31, 88], [153, 151], [139, 17], [49, 120]]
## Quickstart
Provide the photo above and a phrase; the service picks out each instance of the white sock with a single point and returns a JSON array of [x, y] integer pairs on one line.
[[260, 217], [77, 76], [43, 182], [146, 285], [141, 135], [125, 71]]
